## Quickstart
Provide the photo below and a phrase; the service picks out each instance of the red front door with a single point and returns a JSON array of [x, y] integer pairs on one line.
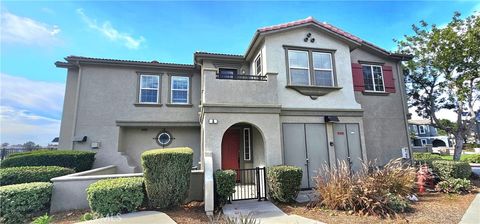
[[231, 150]]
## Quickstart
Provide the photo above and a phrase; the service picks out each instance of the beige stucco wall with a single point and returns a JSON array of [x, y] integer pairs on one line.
[[66, 127], [384, 115], [276, 63], [136, 140], [107, 94]]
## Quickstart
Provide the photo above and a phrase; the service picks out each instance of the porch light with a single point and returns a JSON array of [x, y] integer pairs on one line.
[[331, 119]]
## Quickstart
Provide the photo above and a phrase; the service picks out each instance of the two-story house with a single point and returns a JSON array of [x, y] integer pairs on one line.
[[305, 93], [423, 133]]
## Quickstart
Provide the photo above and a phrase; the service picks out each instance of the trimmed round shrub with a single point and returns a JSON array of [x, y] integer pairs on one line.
[[224, 184], [21, 201], [284, 182], [167, 175], [115, 196], [451, 169], [77, 160], [28, 174]]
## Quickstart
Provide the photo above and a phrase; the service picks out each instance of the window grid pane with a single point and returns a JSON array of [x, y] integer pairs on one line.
[[299, 76], [322, 60], [323, 78], [179, 89], [149, 85], [298, 59], [367, 78], [258, 66]]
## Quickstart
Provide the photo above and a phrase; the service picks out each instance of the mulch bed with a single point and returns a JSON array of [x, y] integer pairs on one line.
[[431, 208]]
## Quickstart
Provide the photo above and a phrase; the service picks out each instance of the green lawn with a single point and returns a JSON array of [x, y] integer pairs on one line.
[[467, 157]]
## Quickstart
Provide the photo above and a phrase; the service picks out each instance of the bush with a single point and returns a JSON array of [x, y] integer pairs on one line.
[[115, 196], [370, 191], [225, 184], [19, 201], [77, 160], [451, 169], [28, 174], [470, 158], [44, 219], [452, 185], [167, 175], [284, 182], [425, 158]]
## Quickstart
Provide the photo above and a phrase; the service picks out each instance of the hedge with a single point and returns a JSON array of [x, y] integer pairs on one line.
[[20, 201], [284, 182], [28, 174], [115, 196], [77, 160], [167, 175], [425, 158], [451, 169], [224, 185]]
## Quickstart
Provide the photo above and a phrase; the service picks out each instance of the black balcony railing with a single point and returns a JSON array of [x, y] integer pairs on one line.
[[242, 77]]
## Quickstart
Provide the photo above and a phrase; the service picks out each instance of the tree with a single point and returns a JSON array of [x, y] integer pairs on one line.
[[5, 144], [445, 73], [29, 146]]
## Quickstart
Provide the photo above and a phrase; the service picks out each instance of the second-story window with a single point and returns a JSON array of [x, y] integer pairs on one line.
[[258, 65], [421, 129], [373, 78], [149, 89], [299, 67], [180, 90], [310, 68]]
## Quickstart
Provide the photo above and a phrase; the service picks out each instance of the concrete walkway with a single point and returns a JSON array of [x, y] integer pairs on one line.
[[265, 212], [135, 217], [472, 215]]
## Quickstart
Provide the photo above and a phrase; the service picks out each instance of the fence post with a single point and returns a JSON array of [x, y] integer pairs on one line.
[[257, 176], [264, 183]]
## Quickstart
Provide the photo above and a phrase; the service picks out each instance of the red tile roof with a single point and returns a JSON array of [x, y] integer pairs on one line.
[[325, 25]]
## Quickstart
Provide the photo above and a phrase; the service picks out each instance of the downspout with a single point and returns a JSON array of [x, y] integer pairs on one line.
[[404, 105]]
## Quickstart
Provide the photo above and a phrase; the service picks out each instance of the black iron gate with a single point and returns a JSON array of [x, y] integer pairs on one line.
[[251, 184]]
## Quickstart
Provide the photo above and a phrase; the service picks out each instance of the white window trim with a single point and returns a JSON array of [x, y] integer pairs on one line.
[[307, 68], [415, 127], [172, 89], [142, 88], [324, 69], [247, 136], [258, 58], [422, 130], [373, 78], [423, 140]]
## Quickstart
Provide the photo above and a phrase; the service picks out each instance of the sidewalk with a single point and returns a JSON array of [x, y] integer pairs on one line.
[[135, 217], [472, 215], [265, 212]]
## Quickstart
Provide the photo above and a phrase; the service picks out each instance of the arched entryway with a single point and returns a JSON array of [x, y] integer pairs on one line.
[[242, 147], [438, 143], [243, 150]]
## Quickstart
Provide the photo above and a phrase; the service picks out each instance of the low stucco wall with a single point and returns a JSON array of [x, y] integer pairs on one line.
[[69, 192]]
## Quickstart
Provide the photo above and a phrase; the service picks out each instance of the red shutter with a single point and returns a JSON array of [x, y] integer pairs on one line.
[[388, 79], [357, 74]]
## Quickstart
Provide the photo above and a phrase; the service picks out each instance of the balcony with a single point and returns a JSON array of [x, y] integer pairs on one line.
[[242, 77]]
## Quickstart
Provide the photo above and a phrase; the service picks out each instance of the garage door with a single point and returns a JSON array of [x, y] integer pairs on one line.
[[305, 146]]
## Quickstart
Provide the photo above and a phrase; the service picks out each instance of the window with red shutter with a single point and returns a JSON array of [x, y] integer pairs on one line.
[[389, 80], [357, 74]]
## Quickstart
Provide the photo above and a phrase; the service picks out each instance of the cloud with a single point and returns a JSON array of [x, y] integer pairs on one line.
[[30, 110], [107, 30], [17, 29]]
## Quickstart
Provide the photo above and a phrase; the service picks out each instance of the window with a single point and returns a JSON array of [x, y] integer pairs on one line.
[[180, 90], [258, 65], [322, 65], [247, 151], [149, 91], [373, 78], [299, 67], [415, 129], [227, 72], [319, 73], [424, 141], [164, 138], [421, 128]]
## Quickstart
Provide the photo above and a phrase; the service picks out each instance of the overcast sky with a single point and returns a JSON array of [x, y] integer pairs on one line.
[[36, 34]]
